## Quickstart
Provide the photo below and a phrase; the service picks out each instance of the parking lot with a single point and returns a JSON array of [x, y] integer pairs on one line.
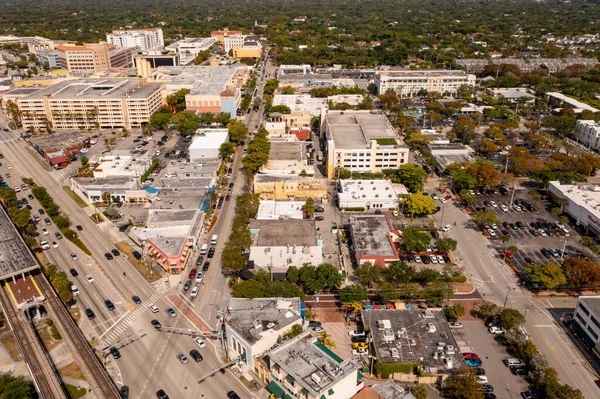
[[474, 337], [527, 237]]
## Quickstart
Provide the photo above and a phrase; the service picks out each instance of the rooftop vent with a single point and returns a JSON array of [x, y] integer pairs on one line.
[[271, 325]]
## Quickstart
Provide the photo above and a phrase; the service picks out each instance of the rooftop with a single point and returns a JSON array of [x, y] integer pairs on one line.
[[302, 102], [277, 233], [176, 216], [97, 89], [592, 303], [445, 160], [185, 169], [355, 129], [311, 364], [371, 235], [413, 73], [447, 146], [59, 140], [108, 183], [287, 150], [414, 334], [367, 189], [572, 102], [584, 195], [392, 390], [273, 178], [254, 319], [278, 210], [15, 256], [170, 246], [179, 199], [201, 184], [201, 80], [209, 139]]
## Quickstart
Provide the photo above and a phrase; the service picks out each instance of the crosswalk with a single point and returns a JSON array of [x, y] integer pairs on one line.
[[115, 332]]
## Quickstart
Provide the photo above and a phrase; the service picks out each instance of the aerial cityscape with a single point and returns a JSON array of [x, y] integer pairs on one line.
[[299, 199]]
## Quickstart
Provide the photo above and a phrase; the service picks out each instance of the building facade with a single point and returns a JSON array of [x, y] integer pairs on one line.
[[94, 57], [220, 35], [583, 203], [48, 57], [91, 103], [408, 83], [586, 321], [289, 187], [588, 133], [170, 253], [145, 39]]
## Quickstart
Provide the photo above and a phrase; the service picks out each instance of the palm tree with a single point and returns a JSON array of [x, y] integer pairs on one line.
[[327, 340], [504, 239], [561, 202]]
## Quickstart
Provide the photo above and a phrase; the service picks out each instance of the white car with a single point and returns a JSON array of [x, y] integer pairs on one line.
[[491, 232], [153, 308], [17, 189], [493, 204], [356, 333], [74, 256], [471, 192], [456, 325], [45, 231], [89, 278], [517, 208], [504, 208], [360, 351], [440, 259], [482, 379], [446, 228], [542, 232], [443, 200], [417, 259], [494, 226], [194, 292], [200, 342], [433, 259], [9, 167], [434, 196], [495, 330], [54, 244]]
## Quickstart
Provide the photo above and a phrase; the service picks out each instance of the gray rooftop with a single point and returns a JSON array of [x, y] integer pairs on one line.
[[271, 178], [287, 150], [172, 216], [108, 183], [445, 160], [393, 390], [179, 200], [370, 235], [98, 89], [305, 360], [449, 146], [201, 80], [15, 256], [199, 183], [284, 232], [23, 91], [592, 303], [256, 318], [170, 246], [426, 327], [355, 129]]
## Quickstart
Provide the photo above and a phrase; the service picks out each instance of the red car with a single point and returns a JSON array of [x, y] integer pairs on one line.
[[227, 197], [448, 197], [192, 274], [470, 355], [509, 255]]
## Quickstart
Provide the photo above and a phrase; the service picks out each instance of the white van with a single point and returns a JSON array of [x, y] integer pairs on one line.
[[204, 249], [213, 240]]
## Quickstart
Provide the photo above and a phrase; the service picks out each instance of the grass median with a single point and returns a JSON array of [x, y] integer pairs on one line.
[[80, 202], [150, 274]]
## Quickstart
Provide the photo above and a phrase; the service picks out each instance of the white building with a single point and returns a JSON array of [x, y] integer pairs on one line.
[[588, 133], [145, 39], [362, 141], [302, 103], [304, 69], [407, 83], [121, 163], [124, 189], [583, 203], [560, 100], [190, 47], [206, 143], [233, 41], [586, 321], [253, 326], [279, 210], [367, 194]]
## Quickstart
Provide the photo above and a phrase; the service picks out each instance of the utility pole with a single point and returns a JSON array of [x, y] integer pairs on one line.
[[513, 195]]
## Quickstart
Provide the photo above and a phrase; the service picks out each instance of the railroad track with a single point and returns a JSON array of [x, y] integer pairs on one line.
[[95, 374], [45, 377]]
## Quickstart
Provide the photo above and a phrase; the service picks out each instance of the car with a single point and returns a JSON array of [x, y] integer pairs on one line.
[[45, 231], [534, 232], [89, 278], [531, 394], [90, 313], [418, 259], [487, 388], [435, 234], [194, 292], [199, 277], [187, 285], [542, 232], [318, 329], [156, 324], [425, 259], [319, 209], [440, 259], [200, 342], [109, 304], [73, 272], [136, 299], [137, 255], [470, 355], [211, 252], [491, 232], [232, 395], [54, 244], [506, 225], [196, 355], [520, 225], [518, 370], [434, 196], [554, 252], [115, 352], [358, 338], [473, 362], [482, 379], [356, 333], [495, 330], [447, 228], [192, 273], [504, 208], [513, 226], [489, 395], [456, 325], [182, 358], [517, 208], [123, 227], [153, 308], [509, 254], [58, 235], [205, 266], [41, 211], [448, 197], [171, 312], [433, 259], [199, 260], [124, 391], [108, 256], [79, 228], [115, 252], [493, 204], [479, 371], [48, 221], [319, 218], [161, 394]]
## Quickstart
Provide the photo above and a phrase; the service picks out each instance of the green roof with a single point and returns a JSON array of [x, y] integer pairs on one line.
[[287, 396], [330, 391], [289, 378], [329, 352], [275, 389], [304, 391]]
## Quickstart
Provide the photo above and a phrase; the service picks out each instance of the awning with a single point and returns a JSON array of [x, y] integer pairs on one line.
[[275, 389], [330, 391], [304, 391], [329, 352], [287, 396], [289, 378]]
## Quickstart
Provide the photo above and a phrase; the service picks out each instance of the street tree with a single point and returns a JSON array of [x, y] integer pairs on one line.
[[511, 318], [484, 172], [415, 240], [186, 122], [160, 120], [412, 176], [581, 273], [254, 161], [353, 293], [467, 198], [226, 150], [388, 291], [309, 207], [549, 275], [327, 340], [177, 100], [292, 274], [420, 205], [420, 391], [447, 244], [329, 276], [238, 131], [399, 272], [463, 384], [487, 310], [482, 217], [368, 273], [454, 312], [232, 258], [504, 239]]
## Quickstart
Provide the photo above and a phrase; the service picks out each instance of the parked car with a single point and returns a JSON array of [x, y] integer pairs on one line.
[[456, 325], [90, 313], [495, 330], [156, 324], [182, 358], [170, 312]]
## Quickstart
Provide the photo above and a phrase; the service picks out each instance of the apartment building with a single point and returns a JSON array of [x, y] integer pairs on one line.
[[282, 187], [243, 46], [588, 133], [145, 39], [362, 141], [94, 57], [220, 35], [91, 103], [407, 83], [586, 321]]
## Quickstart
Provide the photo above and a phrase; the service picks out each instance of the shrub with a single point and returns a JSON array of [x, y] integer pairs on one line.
[[385, 370], [355, 209]]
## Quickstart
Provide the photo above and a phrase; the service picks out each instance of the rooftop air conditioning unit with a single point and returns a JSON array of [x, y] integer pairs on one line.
[[372, 182], [376, 195], [387, 188]]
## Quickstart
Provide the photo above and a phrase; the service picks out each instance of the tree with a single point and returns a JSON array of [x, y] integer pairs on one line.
[[581, 273], [294, 331], [388, 291], [388, 99], [484, 172], [513, 249], [454, 312], [368, 273], [412, 176], [527, 350], [504, 238], [309, 207], [447, 244], [420, 205], [399, 272], [415, 240], [84, 160], [463, 384], [329, 276], [287, 90], [186, 122], [63, 286], [292, 274], [12, 387], [160, 120], [254, 161], [511, 318], [232, 258], [177, 100], [420, 391], [548, 275], [238, 131], [482, 217], [467, 198], [226, 150], [487, 310], [353, 293], [327, 340]]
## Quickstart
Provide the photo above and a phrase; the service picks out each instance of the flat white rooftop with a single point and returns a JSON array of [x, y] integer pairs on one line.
[[275, 210], [368, 190], [209, 138]]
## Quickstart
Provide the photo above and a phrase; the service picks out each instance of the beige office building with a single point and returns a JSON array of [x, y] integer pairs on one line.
[[91, 103], [94, 57], [408, 83]]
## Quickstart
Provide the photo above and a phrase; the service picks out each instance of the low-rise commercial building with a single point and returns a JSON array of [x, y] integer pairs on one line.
[[408, 83], [220, 35], [123, 189], [304, 69], [253, 326], [446, 153], [279, 244], [37, 43], [288, 157], [362, 141], [282, 187], [586, 321], [206, 144], [367, 194], [375, 239], [560, 100], [280, 210], [304, 368], [583, 203], [170, 253], [243, 46], [190, 47], [588, 133], [91, 103], [121, 163]]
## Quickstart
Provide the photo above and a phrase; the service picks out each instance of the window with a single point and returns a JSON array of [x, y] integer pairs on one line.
[[591, 331], [584, 309], [580, 318], [595, 321]]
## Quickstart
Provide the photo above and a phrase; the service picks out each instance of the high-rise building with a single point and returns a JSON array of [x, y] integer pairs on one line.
[[145, 39]]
